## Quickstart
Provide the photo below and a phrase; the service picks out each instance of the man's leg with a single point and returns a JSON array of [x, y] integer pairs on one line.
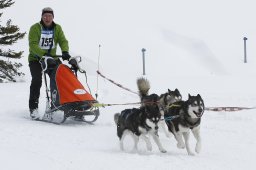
[[36, 83]]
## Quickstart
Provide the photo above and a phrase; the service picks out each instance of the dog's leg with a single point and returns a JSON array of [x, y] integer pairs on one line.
[[147, 141], [125, 133], [157, 141], [186, 137], [164, 127], [136, 141], [122, 143], [196, 133], [180, 142]]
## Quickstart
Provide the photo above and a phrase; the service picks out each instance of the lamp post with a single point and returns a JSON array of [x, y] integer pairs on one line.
[[143, 60], [245, 57]]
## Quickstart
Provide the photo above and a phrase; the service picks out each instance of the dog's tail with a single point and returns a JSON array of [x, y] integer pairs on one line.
[[116, 117], [143, 86]]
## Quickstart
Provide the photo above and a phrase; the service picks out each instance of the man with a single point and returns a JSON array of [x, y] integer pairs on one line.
[[44, 37]]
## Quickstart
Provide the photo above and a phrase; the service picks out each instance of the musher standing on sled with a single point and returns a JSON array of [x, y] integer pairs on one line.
[[44, 37]]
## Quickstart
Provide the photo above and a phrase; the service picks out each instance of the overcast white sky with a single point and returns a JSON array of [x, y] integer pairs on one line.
[[210, 29]]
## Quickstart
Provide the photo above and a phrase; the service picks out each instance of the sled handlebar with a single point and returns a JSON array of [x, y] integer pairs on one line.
[[78, 58], [75, 65], [60, 56]]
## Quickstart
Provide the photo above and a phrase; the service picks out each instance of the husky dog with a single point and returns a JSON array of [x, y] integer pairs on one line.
[[166, 100], [139, 122], [183, 116]]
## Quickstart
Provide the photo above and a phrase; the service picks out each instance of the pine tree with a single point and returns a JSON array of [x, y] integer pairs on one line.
[[9, 34]]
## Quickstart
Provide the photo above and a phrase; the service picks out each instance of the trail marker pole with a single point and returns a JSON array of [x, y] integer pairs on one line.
[[143, 60], [245, 57]]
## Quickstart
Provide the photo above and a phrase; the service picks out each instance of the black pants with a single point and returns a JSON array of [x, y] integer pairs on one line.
[[36, 83]]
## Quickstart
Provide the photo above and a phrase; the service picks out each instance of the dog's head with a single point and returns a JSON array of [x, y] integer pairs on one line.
[[195, 106], [152, 111], [170, 97], [173, 96]]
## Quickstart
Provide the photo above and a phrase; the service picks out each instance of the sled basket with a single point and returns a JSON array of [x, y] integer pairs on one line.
[[69, 95]]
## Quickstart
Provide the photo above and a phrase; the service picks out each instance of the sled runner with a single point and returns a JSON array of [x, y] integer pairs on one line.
[[67, 97]]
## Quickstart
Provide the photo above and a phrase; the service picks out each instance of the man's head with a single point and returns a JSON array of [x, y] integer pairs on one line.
[[47, 16]]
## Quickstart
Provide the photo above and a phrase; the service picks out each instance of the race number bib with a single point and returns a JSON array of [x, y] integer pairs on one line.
[[46, 41]]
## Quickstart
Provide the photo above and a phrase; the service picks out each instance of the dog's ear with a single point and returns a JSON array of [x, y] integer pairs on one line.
[[169, 91], [198, 95], [176, 90], [189, 95]]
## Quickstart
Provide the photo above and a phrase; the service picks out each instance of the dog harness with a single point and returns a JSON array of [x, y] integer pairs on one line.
[[185, 122]]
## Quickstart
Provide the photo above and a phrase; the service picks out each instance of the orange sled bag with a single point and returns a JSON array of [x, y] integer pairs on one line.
[[66, 89]]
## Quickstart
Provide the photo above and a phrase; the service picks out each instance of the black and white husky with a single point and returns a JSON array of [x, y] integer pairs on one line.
[[139, 122], [183, 117], [168, 98], [165, 100]]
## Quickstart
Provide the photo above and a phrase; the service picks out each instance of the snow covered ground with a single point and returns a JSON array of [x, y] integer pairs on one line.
[[210, 64], [228, 137]]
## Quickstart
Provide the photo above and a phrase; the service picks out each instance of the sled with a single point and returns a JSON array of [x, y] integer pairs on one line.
[[67, 97]]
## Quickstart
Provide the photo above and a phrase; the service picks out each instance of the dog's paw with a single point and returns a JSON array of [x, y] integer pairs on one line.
[[181, 145], [191, 154], [198, 148], [163, 150], [149, 148], [121, 146]]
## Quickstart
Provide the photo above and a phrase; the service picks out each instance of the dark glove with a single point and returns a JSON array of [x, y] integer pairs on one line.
[[74, 64], [65, 55]]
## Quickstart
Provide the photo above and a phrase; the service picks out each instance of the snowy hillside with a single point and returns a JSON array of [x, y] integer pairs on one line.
[[194, 46]]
